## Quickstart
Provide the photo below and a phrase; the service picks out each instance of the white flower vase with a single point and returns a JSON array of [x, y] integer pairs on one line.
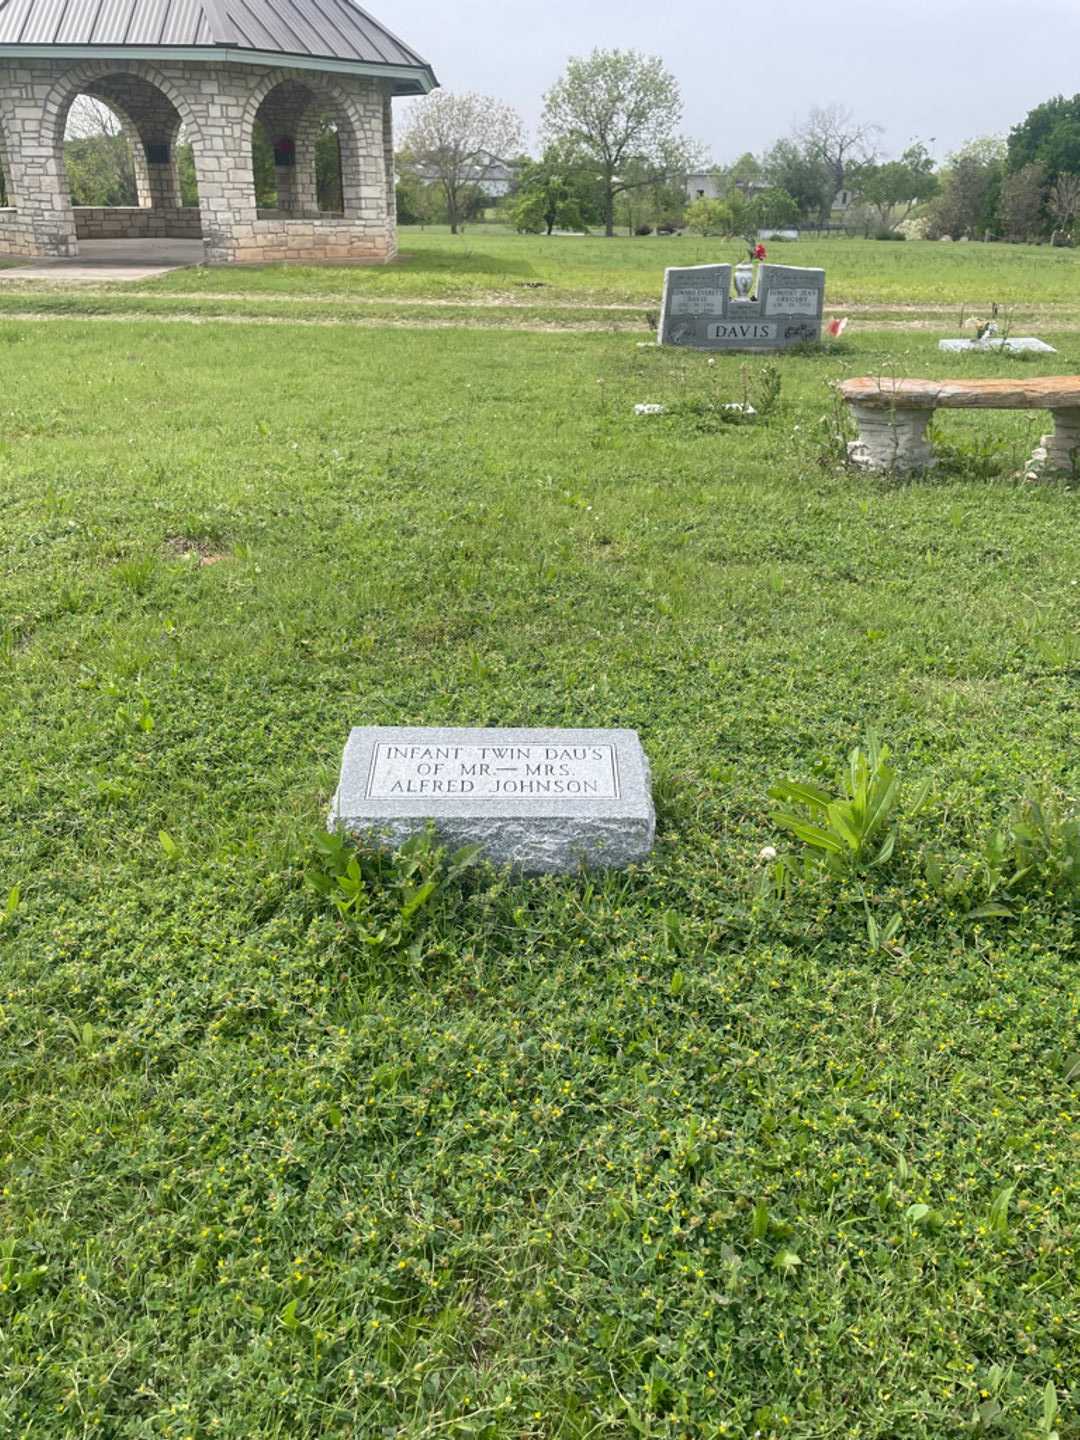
[[744, 280]]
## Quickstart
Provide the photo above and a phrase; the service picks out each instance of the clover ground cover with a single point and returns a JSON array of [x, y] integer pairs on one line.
[[648, 1154]]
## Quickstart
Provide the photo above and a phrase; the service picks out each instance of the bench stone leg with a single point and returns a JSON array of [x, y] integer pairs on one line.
[[891, 439], [1059, 453]]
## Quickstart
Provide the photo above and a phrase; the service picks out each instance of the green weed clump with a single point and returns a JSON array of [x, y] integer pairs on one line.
[[857, 829], [382, 896]]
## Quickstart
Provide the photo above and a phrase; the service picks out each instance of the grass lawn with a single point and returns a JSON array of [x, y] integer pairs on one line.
[[660, 1154], [435, 263]]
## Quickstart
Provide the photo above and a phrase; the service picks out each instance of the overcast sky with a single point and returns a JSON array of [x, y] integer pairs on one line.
[[941, 70]]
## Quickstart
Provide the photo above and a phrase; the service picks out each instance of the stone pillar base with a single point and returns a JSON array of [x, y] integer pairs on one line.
[[1059, 453], [893, 440]]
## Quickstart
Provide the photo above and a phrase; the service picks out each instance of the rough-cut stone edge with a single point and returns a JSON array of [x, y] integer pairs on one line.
[[1050, 392]]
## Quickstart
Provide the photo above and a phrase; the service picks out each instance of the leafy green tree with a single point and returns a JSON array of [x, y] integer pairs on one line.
[[773, 209], [746, 170], [97, 156], [418, 204], [1064, 200], [1049, 137], [832, 136], [893, 189], [185, 170], [618, 113], [452, 140], [805, 177], [970, 190], [100, 171], [709, 217], [328, 185], [1023, 203], [553, 193], [262, 163]]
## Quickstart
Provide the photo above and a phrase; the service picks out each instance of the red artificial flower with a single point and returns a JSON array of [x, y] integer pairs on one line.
[[760, 253], [837, 327]]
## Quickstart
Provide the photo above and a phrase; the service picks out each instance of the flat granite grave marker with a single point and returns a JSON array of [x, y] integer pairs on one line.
[[1017, 345], [544, 801], [699, 311]]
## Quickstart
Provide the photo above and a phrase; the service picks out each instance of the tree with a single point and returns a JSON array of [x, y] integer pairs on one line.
[[832, 135], [97, 156], [454, 140], [745, 170], [805, 177], [185, 172], [773, 209], [1049, 136], [619, 111], [1023, 196], [896, 184], [552, 192], [709, 217], [417, 203], [1064, 200], [970, 190]]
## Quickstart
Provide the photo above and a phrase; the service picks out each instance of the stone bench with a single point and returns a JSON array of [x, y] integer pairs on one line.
[[893, 415]]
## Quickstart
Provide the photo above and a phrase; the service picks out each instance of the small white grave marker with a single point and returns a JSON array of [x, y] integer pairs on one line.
[[541, 800]]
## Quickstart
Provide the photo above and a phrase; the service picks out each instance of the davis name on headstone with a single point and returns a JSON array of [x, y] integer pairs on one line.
[[544, 801], [700, 312]]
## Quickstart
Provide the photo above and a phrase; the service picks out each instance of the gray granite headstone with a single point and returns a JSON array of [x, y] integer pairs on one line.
[[544, 801], [699, 311]]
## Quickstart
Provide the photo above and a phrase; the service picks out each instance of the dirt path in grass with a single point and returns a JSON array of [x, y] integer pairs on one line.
[[618, 323], [330, 322]]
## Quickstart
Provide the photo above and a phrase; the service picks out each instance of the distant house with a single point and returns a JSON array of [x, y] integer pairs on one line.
[[712, 185], [495, 178], [703, 186]]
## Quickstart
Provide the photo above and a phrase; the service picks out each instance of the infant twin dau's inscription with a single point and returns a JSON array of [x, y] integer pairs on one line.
[[494, 772]]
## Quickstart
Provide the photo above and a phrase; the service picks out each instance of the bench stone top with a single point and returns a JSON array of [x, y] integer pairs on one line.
[[1054, 392]]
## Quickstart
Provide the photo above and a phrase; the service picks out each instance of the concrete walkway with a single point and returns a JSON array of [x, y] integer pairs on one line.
[[101, 260]]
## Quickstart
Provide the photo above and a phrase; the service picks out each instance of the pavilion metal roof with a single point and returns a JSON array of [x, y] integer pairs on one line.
[[306, 34]]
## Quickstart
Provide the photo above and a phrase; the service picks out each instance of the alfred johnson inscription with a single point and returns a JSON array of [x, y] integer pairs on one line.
[[544, 801], [490, 772]]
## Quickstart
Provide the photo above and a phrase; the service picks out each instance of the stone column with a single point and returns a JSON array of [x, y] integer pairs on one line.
[[891, 439], [223, 162], [305, 172], [364, 184], [388, 161], [1059, 453], [163, 177], [35, 174]]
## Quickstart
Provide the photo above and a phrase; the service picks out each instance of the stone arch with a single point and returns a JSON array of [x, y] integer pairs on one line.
[[292, 108], [128, 132], [151, 109], [83, 78]]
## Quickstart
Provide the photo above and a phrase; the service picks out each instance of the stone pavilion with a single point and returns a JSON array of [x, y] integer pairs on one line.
[[205, 73]]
